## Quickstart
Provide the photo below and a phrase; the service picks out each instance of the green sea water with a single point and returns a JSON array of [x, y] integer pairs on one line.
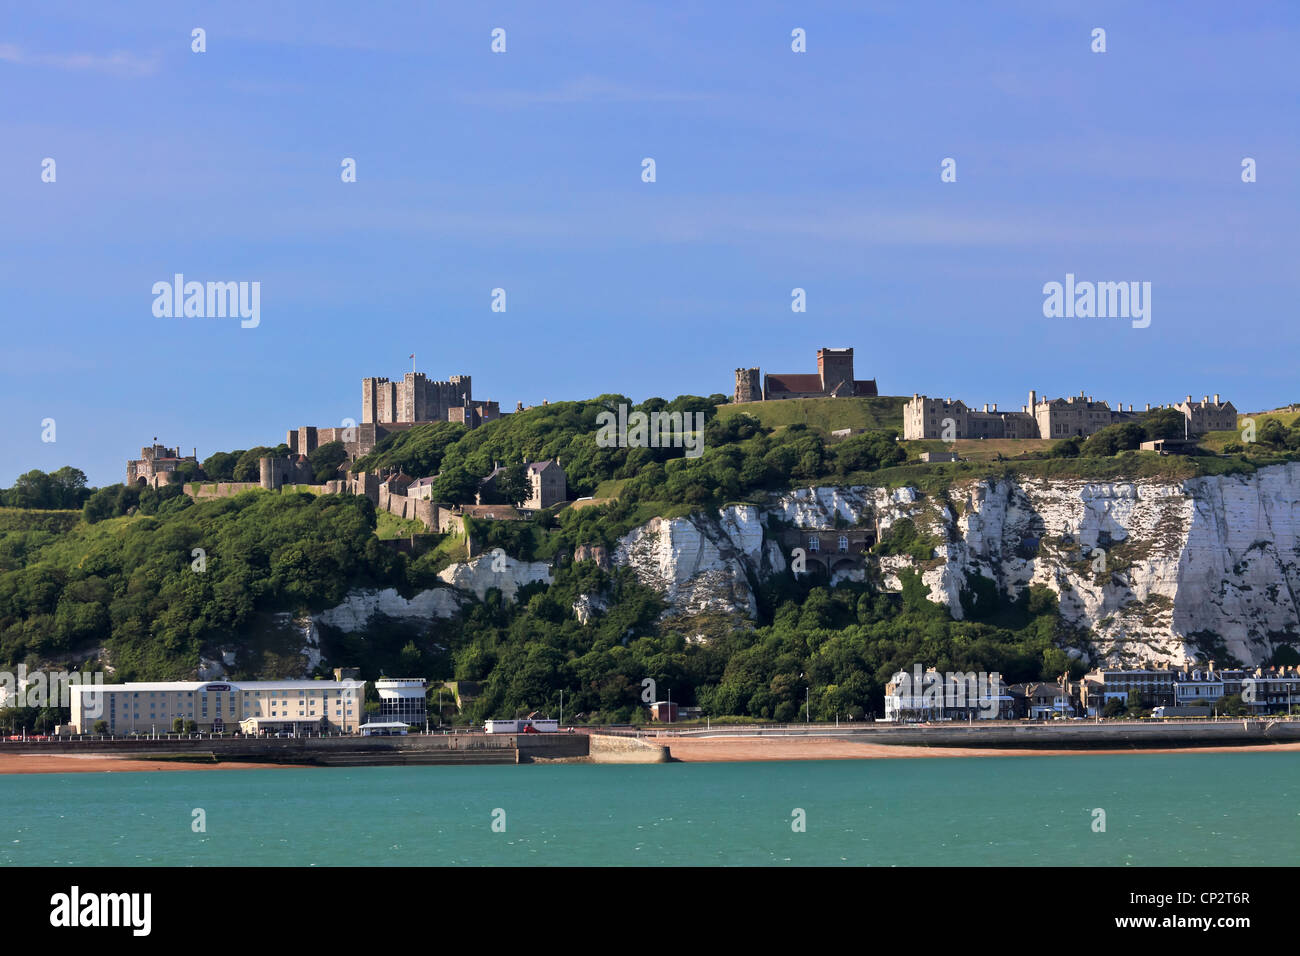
[[1175, 809]]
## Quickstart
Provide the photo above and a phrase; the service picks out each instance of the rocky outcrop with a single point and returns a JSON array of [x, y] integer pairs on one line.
[[496, 570], [693, 563], [362, 606], [587, 606]]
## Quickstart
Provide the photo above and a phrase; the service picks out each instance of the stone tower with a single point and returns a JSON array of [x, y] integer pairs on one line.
[[747, 386], [835, 366]]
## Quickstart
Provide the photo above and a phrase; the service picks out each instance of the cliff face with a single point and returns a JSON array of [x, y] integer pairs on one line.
[[1154, 569]]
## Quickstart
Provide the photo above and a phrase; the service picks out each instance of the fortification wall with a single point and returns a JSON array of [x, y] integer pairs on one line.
[[219, 489]]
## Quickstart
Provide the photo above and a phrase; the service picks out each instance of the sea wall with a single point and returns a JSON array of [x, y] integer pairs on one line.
[[610, 749]]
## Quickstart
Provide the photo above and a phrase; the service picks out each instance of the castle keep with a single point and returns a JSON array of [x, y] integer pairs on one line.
[[416, 399], [834, 379], [388, 407]]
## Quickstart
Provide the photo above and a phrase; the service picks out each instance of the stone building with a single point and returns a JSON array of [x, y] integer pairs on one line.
[[830, 550], [547, 484], [156, 465], [1077, 416], [290, 470], [834, 379], [1208, 416], [418, 399], [947, 419], [389, 407]]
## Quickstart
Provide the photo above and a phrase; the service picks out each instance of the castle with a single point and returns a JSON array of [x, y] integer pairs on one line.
[[1077, 416], [388, 407], [415, 399], [834, 379], [156, 465]]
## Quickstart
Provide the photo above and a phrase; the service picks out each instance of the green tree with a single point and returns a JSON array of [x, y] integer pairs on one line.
[[512, 484], [220, 466], [1113, 439], [456, 485], [1134, 707], [1231, 706], [325, 460], [1163, 423]]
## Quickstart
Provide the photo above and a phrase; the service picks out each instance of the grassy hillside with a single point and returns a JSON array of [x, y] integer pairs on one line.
[[388, 526], [825, 414], [24, 519], [981, 449]]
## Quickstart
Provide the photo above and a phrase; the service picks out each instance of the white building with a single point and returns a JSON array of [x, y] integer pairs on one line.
[[931, 695], [293, 706], [402, 700]]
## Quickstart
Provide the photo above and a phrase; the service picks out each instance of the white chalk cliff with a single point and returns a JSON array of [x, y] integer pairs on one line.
[[1154, 569], [1187, 565]]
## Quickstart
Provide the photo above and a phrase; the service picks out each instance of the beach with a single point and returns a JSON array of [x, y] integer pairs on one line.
[[105, 763], [745, 748]]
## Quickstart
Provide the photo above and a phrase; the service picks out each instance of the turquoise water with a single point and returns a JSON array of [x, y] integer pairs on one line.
[[1191, 809]]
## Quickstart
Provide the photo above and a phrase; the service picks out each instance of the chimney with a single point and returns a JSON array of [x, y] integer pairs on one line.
[[1189, 399], [1033, 398], [1216, 398], [1205, 399], [1211, 667], [1148, 406], [986, 406]]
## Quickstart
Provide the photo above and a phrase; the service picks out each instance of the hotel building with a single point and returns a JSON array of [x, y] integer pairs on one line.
[[294, 706]]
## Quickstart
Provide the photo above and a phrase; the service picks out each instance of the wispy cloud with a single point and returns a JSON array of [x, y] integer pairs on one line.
[[116, 62], [586, 89]]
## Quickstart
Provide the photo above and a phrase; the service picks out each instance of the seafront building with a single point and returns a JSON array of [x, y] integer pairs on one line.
[[253, 707], [1263, 690], [931, 695], [402, 700]]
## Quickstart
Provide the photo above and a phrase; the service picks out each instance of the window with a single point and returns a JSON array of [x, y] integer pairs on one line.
[[844, 543], [814, 543]]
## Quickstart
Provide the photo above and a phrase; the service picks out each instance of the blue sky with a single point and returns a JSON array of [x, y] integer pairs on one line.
[[523, 171]]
